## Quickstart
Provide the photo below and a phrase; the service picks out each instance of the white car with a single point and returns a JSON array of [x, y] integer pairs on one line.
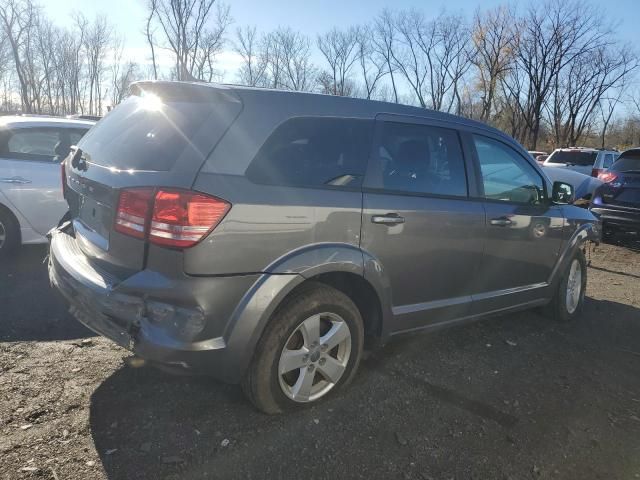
[[31, 201], [589, 161]]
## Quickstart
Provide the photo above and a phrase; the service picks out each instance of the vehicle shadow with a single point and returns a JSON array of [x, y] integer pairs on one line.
[[149, 424], [29, 308], [625, 240]]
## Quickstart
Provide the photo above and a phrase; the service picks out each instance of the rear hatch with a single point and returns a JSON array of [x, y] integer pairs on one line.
[[622, 186], [575, 159], [158, 137]]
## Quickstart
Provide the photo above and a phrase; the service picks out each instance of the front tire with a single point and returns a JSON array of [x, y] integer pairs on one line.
[[568, 300], [311, 347]]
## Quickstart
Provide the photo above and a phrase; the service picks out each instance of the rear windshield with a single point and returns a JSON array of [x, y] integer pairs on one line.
[[627, 163], [152, 129], [573, 157]]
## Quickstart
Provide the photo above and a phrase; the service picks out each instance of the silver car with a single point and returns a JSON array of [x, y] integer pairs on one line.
[[260, 236], [589, 161], [31, 201]]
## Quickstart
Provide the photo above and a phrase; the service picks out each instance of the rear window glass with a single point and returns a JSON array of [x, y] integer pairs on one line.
[[150, 131], [573, 157], [627, 163], [314, 152], [49, 144]]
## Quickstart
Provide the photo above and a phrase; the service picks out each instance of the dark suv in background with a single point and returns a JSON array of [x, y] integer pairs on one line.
[[617, 202], [260, 236]]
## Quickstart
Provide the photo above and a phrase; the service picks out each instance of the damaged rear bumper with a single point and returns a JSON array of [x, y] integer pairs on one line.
[[103, 304]]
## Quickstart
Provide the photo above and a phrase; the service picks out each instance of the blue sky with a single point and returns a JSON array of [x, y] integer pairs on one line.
[[309, 16]]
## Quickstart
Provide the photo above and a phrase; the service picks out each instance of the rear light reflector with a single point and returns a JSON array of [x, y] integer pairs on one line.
[[595, 172], [168, 217], [607, 177], [133, 211], [183, 218]]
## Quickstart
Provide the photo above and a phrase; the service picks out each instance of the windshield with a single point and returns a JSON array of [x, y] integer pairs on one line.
[[573, 157]]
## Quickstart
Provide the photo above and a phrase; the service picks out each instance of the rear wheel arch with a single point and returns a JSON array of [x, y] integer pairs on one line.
[[360, 291]]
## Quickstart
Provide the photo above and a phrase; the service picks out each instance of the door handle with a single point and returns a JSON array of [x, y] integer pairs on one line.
[[501, 222], [15, 180], [388, 219]]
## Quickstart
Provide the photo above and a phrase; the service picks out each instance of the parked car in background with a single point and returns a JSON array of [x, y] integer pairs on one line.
[[584, 185], [82, 116], [589, 161], [31, 201], [617, 201], [537, 154], [259, 236], [541, 158]]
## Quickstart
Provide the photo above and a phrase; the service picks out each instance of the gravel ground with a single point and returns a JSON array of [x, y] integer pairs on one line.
[[512, 397]]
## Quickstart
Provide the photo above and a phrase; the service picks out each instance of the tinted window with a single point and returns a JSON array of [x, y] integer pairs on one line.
[[418, 159], [608, 160], [42, 144], [154, 128], [314, 151], [506, 176], [627, 162], [573, 157]]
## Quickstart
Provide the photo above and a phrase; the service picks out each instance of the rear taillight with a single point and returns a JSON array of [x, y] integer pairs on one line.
[[176, 218], [183, 218], [607, 177], [595, 172], [134, 206]]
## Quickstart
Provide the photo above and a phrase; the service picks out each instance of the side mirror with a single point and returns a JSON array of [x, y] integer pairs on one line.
[[562, 193]]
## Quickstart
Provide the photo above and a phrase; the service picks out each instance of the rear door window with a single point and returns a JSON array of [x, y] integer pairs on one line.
[[314, 152], [415, 158]]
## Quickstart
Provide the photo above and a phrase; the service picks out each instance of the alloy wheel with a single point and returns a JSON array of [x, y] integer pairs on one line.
[[574, 286], [315, 357], [3, 234]]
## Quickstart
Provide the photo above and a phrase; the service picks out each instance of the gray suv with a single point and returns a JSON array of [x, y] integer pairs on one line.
[[262, 236]]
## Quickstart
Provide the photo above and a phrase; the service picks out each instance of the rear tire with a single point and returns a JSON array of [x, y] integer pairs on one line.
[[320, 363], [568, 301], [9, 233]]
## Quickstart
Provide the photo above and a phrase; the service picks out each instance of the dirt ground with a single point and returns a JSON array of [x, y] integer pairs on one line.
[[513, 397]]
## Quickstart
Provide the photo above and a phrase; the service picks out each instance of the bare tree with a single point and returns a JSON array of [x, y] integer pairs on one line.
[[253, 69], [580, 87], [384, 41], [492, 35], [372, 65], [18, 18], [550, 36], [286, 55], [340, 50], [149, 32], [122, 74], [96, 44], [192, 33]]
